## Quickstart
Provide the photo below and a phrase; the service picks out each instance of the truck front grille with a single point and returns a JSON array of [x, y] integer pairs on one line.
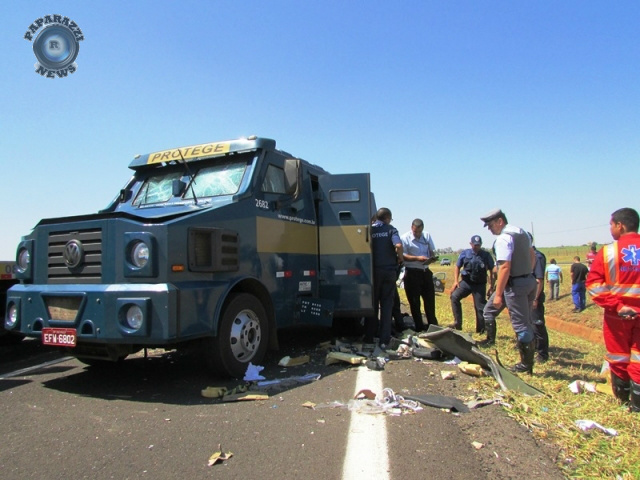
[[75, 256]]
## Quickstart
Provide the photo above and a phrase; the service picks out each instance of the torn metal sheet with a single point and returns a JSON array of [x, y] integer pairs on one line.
[[440, 401], [463, 346]]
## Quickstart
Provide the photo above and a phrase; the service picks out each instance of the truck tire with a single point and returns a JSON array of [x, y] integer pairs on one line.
[[242, 337]]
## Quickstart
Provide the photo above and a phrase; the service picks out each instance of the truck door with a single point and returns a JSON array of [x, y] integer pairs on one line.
[[344, 219]]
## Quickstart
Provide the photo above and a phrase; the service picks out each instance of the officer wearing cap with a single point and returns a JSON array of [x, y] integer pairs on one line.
[[475, 264], [515, 286]]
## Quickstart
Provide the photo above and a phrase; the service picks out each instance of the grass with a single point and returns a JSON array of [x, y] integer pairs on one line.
[[551, 418]]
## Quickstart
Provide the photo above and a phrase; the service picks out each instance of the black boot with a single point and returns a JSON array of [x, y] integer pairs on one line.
[[620, 388], [490, 328], [634, 405], [527, 351]]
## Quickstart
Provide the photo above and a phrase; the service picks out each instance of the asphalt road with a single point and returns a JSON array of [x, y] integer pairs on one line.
[[146, 418]]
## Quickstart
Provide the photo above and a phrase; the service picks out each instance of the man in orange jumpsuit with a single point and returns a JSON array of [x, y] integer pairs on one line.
[[614, 283]]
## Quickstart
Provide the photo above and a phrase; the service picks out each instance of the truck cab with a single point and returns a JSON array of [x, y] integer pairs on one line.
[[215, 245]]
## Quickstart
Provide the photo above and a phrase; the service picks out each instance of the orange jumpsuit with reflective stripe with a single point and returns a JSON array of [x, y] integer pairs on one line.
[[614, 282]]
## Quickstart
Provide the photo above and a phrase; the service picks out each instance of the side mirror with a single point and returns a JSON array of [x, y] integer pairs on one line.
[[177, 187], [125, 195], [292, 176]]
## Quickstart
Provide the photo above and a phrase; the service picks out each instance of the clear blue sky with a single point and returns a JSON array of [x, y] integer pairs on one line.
[[454, 107]]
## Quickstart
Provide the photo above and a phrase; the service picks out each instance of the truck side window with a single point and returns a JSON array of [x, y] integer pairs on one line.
[[274, 180]]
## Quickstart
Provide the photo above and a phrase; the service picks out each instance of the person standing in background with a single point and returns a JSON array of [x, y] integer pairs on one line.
[[476, 265], [554, 279], [419, 253], [579, 273], [591, 256]]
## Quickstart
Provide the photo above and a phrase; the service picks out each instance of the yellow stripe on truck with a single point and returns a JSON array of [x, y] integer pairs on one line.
[[283, 236], [344, 240], [195, 151]]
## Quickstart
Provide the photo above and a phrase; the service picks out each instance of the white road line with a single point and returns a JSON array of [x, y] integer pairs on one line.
[[367, 454], [17, 373]]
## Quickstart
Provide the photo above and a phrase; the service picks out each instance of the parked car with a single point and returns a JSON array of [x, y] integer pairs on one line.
[[445, 261]]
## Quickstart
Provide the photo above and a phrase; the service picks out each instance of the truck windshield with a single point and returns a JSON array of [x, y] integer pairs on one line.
[[210, 181]]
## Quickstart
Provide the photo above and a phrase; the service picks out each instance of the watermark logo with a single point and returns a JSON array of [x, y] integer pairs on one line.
[[56, 47]]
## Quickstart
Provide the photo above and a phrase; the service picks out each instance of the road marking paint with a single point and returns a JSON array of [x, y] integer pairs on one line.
[[367, 454], [17, 373]]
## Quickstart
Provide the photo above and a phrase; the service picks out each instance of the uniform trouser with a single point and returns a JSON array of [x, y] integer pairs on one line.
[[540, 329], [579, 294], [418, 284], [622, 341], [554, 287], [465, 288], [384, 283], [518, 298], [396, 313]]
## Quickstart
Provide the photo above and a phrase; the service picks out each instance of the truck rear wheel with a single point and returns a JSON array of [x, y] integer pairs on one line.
[[242, 337]]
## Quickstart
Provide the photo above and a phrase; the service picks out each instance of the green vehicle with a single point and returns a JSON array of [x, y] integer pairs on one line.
[[213, 246]]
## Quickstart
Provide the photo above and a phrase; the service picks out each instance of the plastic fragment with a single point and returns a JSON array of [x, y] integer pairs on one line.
[[580, 386], [588, 425], [219, 456], [448, 374], [292, 362], [253, 373], [471, 369], [336, 357], [214, 392]]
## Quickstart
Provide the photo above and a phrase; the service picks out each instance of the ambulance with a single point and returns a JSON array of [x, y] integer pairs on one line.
[[215, 246]]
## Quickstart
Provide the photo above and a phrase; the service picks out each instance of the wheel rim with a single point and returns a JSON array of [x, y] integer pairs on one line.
[[245, 336]]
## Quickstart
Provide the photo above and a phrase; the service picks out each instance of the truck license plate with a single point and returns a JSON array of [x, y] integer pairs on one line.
[[60, 337]]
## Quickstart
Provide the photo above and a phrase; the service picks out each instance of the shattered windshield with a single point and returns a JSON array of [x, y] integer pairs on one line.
[[157, 189], [217, 180], [211, 181]]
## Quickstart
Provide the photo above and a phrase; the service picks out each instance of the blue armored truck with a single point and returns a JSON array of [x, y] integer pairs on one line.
[[214, 246]]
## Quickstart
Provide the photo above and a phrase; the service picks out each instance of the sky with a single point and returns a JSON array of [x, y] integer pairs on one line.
[[454, 107]]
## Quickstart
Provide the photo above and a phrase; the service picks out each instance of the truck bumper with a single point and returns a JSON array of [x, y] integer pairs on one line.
[[99, 314]]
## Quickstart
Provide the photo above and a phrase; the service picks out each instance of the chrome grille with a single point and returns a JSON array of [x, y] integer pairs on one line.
[[89, 269]]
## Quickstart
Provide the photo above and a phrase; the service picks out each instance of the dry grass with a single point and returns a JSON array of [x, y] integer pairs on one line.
[[552, 417]]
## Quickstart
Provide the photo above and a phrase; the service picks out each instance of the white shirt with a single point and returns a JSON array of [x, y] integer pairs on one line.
[[422, 246]]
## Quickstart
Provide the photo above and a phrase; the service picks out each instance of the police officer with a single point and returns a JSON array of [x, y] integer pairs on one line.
[[515, 286], [386, 249], [474, 263], [537, 313]]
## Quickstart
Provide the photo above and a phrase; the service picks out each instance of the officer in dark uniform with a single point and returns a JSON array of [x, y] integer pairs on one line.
[[386, 249], [537, 312], [473, 263]]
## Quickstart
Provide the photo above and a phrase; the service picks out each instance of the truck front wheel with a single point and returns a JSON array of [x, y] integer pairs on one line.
[[242, 337]]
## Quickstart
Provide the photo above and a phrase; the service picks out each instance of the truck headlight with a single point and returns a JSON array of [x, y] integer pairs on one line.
[[134, 317], [140, 254], [24, 260], [12, 316]]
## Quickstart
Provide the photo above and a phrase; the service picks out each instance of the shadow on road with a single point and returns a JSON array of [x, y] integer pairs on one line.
[[175, 378]]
